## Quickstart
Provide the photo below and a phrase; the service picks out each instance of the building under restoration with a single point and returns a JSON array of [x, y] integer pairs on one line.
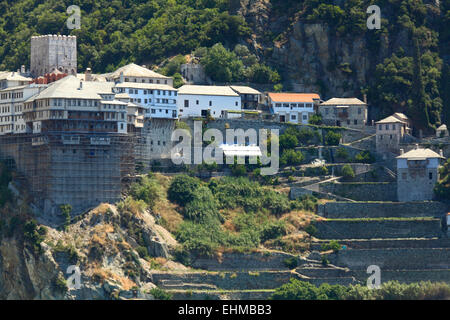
[[75, 148]]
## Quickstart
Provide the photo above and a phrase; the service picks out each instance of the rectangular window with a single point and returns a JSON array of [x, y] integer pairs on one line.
[[430, 175], [186, 103]]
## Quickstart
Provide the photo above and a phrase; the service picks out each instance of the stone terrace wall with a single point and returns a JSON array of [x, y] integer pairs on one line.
[[393, 259], [374, 191], [334, 210], [244, 261], [367, 229]]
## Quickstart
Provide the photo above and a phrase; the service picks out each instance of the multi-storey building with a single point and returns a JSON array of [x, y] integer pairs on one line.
[[139, 74], [417, 174], [250, 98], [12, 106], [78, 106], [344, 112], [13, 79], [390, 132], [293, 107], [201, 101], [158, 100], [80, 153]]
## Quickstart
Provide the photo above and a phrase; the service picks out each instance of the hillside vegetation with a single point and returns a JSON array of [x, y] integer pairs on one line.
[[403, 67]]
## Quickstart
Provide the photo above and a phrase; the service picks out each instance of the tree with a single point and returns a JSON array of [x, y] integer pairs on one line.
[[147, 189], [291, 157], [442, 188], [332, 138], [347, 172], [182, 189], [420, 104], [288, 141], [222, 65]]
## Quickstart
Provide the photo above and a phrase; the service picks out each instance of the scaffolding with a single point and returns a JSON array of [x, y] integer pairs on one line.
[[82, 169]]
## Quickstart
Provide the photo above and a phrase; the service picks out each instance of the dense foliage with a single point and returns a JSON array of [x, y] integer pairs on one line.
[[202, 232], [442, 188], [392, 290]]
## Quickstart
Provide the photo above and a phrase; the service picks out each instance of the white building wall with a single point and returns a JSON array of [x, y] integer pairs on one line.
[[294, 112], [217, 104], [157, 103]]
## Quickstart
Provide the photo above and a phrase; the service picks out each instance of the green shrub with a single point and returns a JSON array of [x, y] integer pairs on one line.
[[273, 231], [288, 141], [365, 157], [147, 189], [332, 245], [160, 294], [311, 230], [182, 189], [332, 138], [347, 172], [66, 210], [142, 252], [291, 262], [301, 290], [238, 170], [342, 153], [203, 206], [291, 157]]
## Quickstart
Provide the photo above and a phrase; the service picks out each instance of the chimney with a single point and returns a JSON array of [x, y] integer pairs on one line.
[[402, 151], [121, 77], [22, 69], [441, 152], [416, 146], [81, 85], [88, 75], [365, 98]]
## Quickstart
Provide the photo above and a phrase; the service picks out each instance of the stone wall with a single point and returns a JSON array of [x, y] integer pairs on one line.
[[375, 229], [156, 144], [244, 261], [382, 209], [360, 191], [393, 259]]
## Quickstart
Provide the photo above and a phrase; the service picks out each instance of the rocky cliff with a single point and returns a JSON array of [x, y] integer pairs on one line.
[[114, 252]]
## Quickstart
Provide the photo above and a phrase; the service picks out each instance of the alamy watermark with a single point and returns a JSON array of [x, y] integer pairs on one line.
[[74, 20], [374, 281], [190, 148], [74, 280], [374, 20]]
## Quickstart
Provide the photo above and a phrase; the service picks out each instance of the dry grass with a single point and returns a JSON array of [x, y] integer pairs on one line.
[[166, 209], [103, 274], [297, 220], [101, 209]]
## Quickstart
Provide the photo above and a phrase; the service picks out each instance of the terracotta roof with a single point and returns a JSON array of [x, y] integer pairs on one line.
[[418, 154], [293, 97], [342, 102]]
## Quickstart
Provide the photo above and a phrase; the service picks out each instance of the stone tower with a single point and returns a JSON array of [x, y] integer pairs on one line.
[[417, 174], [53, 52]]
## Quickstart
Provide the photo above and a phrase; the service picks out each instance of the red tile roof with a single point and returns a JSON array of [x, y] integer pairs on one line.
[[293, 97]]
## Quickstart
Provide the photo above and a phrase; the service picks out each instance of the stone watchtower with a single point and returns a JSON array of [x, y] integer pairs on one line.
[[53, 52], [417, 174]]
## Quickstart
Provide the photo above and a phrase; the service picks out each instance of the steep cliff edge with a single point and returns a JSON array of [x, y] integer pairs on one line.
[[326, 47], [114, 253]]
